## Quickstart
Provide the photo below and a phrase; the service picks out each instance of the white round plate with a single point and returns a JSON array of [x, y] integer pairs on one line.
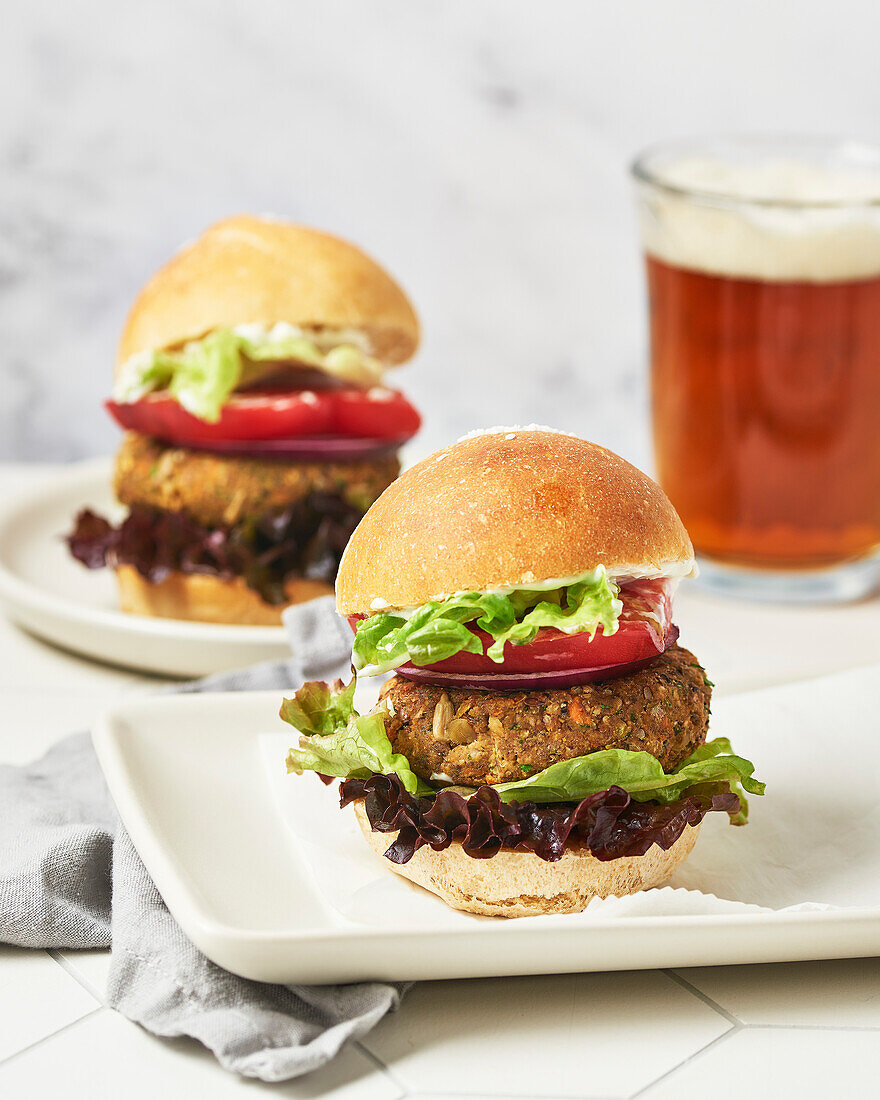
[[50, 594]]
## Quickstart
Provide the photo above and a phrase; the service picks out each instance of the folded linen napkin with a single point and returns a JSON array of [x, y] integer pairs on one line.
[[70, 878]]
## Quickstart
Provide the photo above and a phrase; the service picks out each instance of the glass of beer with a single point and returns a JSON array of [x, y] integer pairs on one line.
[[763, 267]]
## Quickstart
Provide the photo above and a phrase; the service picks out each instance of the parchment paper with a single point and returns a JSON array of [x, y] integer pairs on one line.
[[813, 841]]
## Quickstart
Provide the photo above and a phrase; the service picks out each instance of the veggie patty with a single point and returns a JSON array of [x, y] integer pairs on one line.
[[475, 737], [221, 490]]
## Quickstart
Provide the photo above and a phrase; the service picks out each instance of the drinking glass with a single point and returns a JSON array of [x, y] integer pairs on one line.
[[763, 271]]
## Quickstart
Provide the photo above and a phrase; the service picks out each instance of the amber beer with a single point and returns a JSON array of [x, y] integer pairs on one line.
[[766, 412], [764, 288]]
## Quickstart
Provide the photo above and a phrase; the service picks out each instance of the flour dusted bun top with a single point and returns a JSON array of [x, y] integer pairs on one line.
[[252, 270], [509, 508]]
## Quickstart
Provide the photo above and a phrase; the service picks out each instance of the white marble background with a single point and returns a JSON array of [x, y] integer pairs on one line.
[[479, 148]]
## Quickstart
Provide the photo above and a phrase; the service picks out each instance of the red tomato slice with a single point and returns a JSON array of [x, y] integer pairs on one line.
[[258, 415], [378, 413], [275, 414], [554, 659], [553, 651]]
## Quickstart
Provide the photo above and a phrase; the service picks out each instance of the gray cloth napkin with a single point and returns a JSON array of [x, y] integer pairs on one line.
[[70, 878]]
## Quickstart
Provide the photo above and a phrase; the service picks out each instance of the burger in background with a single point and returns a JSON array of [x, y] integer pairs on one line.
[[543, 738], [251, 382]]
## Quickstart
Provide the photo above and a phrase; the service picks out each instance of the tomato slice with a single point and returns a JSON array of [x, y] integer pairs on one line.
[[554, 659], [553, 651], [261, 415], [379, 414]]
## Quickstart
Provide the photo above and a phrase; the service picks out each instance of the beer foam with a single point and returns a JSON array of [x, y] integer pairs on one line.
[[728, 223]]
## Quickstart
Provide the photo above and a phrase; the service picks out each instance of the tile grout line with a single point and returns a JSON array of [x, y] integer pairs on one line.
[[48, 1038], [737, 1022], [701, 996], [70, 969], [427, 1094], [811, 1027], [731, 1031], [380, 1065], [737, 1028]]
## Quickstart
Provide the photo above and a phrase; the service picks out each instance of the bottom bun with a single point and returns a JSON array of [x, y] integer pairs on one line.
[[521, 884], [201, 598]]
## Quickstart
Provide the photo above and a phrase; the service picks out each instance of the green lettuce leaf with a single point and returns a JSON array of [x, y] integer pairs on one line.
[[336, 740], [320, 708], [638, 773], [203, 374], [437, 629]]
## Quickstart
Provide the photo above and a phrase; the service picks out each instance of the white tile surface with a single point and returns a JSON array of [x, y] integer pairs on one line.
[[745, 645], [106, 1057], [570, 1035], [90, 968], [34, 720], [834, 993], [37, 998], [764, 1064]]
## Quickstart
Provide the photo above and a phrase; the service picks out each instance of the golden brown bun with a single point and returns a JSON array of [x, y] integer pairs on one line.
[[248, 269], [506, 509], [200, 598], [520, 884]]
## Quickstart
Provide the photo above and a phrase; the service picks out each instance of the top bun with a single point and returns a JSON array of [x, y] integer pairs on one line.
[[247, 269], [507, 509]]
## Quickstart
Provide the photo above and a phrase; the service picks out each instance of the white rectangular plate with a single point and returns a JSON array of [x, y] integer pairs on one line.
[[189, 776]]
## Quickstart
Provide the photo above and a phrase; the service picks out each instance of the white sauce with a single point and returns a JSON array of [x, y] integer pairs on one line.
[[323, 338]]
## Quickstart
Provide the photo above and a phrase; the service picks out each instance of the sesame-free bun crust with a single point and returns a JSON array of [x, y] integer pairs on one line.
[[506, 510], [520, 884], [249, 269], [201, 598]]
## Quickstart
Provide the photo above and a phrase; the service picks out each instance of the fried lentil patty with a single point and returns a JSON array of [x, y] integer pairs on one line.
[[221, 490], [474, 737]]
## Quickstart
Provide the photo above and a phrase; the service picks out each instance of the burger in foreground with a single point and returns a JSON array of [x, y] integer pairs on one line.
[[250, 379], [543, 739]]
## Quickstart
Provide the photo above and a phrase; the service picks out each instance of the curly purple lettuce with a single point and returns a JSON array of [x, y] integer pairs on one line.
[[610, 824], [304, 540]]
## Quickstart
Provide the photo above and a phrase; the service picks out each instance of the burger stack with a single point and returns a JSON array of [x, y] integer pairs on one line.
[[543, 738], [251, 383]]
